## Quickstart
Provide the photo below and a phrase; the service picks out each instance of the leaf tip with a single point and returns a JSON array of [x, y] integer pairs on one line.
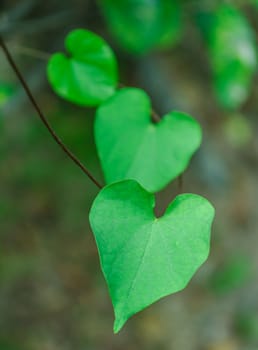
[[118, 324]]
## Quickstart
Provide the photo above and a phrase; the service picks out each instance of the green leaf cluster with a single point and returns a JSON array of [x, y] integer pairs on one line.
[[143, 258], [143, 26]]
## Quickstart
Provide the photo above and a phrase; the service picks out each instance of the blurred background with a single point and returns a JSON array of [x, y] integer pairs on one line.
[[194, 56]]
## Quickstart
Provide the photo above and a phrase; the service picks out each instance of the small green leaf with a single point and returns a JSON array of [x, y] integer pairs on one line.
[[89, 75], [145, 258], [130, 146], [233, 55], [143, 25]]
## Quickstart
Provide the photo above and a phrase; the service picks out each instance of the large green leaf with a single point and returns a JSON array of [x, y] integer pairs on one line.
[[130, 146], [141, 25], [88, 75], [233, 55], [145, 258]]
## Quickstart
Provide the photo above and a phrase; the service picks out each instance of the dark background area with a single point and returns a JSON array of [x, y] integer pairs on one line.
[[52, 293]]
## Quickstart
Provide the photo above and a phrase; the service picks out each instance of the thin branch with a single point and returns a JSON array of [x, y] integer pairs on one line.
[[155, 117], [41, 115], [34, 53], [180, 184]]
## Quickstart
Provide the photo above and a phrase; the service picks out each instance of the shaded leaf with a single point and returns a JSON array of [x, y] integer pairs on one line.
[[140, 26], [232, 275], [232, 51]]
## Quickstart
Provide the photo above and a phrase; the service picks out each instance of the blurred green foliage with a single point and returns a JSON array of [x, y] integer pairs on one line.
[[233, 274], [7, 344], [31, 160], [16, 267], [247, 326], [238, 130], [6, 91], [232, 52], [143, 25]]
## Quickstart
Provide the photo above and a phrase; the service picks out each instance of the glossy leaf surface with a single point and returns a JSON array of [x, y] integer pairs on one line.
[[142, 25], [145, 258], [131, 146], [88, 74]]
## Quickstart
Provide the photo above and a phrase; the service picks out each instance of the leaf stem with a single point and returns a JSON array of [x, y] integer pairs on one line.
[[42, 117], [180, 184], [155, 117]]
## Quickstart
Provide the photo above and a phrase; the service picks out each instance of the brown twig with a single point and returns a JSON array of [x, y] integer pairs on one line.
[[155, 117], [41, 115], [180, 184]]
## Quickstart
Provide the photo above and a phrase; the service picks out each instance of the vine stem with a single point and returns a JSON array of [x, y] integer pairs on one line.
[[155, 117], [42, 116], [180, 184]]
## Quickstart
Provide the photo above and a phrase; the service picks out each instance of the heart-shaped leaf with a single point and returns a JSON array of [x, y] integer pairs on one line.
[[232, 49], [145, 258], [143, 25], [130, 146], [89, 75]]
